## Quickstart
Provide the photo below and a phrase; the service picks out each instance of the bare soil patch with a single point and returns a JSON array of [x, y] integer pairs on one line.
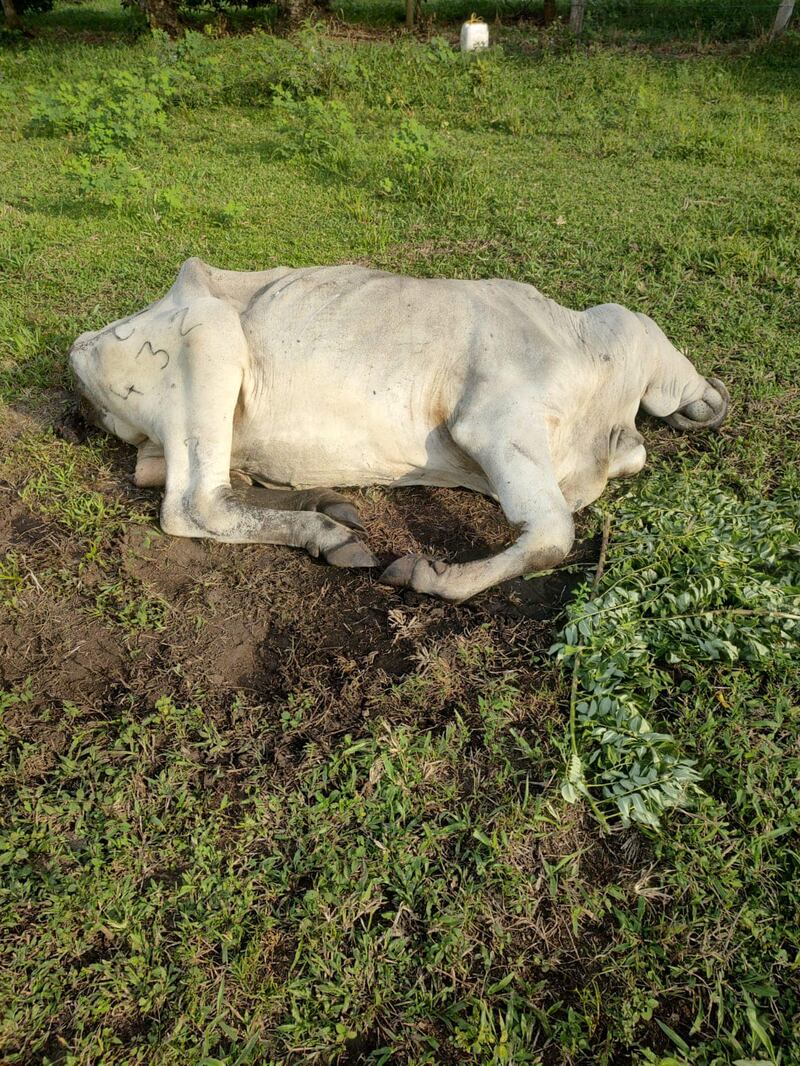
[[264, 626]]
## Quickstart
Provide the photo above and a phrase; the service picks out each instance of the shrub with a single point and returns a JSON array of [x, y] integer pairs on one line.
[[696, 581], [108, 117], [307, 64], [322, 130], [108, 114]]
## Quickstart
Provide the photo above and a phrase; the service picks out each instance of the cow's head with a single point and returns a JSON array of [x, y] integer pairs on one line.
[[92, 388]]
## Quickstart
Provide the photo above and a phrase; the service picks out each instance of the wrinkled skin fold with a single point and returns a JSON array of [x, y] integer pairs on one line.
[[250, 394]]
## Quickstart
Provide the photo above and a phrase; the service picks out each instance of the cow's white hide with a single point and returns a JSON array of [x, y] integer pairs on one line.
[[328, 376]]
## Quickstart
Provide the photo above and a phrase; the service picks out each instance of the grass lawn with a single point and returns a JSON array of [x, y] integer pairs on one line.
[[255, 810]]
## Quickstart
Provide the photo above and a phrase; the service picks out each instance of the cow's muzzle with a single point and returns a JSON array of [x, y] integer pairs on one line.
[[707, 413]]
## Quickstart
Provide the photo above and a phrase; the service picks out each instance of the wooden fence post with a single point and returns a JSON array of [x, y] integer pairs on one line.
[[576, 13], [782, 18]]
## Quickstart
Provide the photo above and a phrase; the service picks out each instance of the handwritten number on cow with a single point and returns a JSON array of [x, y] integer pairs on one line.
[[155, 352]]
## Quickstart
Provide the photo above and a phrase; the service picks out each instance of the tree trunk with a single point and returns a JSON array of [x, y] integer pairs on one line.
[[162, 15], [549, 13], [293, 12], [12, 18], [576, 13], [781, 19], [411, 6]]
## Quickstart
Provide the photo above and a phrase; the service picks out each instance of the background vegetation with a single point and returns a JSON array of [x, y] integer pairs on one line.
[[563, 842]]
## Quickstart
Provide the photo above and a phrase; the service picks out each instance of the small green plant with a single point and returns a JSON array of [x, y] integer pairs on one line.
[[231, 212], [416, 160], [104, 120], [441, 53], [696, 581], [414, 145], [107, 118], [117, 603], [110, 113], [481, 78], [12, 578], [307, 64], [316, 66], [191, 67], [297, 709], [319, 129], [171, 200], [109, 178]]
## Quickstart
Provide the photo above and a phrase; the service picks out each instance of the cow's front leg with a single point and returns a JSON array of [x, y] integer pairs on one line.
[[200, 502], [151, 472], [325, 501], [516, 461], [197, 430]]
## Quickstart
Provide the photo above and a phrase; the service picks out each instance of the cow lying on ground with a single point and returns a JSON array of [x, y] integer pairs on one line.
[[239, 389]]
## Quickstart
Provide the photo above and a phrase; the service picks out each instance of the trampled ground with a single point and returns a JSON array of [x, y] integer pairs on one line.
[[256, 810]]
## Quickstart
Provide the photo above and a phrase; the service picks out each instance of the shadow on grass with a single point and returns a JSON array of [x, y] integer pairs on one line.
[[770, 69], [80, 19], [94, 21]]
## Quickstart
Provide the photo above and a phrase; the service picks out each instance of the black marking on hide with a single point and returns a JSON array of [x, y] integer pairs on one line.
[[155, 351], [127, 394], [124, 321], [182, 313], [520, 449], [116, 325]]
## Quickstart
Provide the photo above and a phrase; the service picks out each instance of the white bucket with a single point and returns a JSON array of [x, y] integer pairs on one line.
[[474, 35]]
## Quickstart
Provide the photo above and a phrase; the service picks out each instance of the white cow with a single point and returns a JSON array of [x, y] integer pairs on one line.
[[304, 379]]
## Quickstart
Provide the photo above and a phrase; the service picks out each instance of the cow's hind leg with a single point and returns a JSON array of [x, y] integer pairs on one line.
[[516, 461], [151, 467], [197, 430]]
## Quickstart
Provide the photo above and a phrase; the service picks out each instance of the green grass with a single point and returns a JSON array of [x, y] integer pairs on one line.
[[419, 892]]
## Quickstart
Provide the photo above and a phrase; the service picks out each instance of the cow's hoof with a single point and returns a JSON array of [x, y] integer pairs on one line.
[[414, 572], [350, 554], [344, 513]]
